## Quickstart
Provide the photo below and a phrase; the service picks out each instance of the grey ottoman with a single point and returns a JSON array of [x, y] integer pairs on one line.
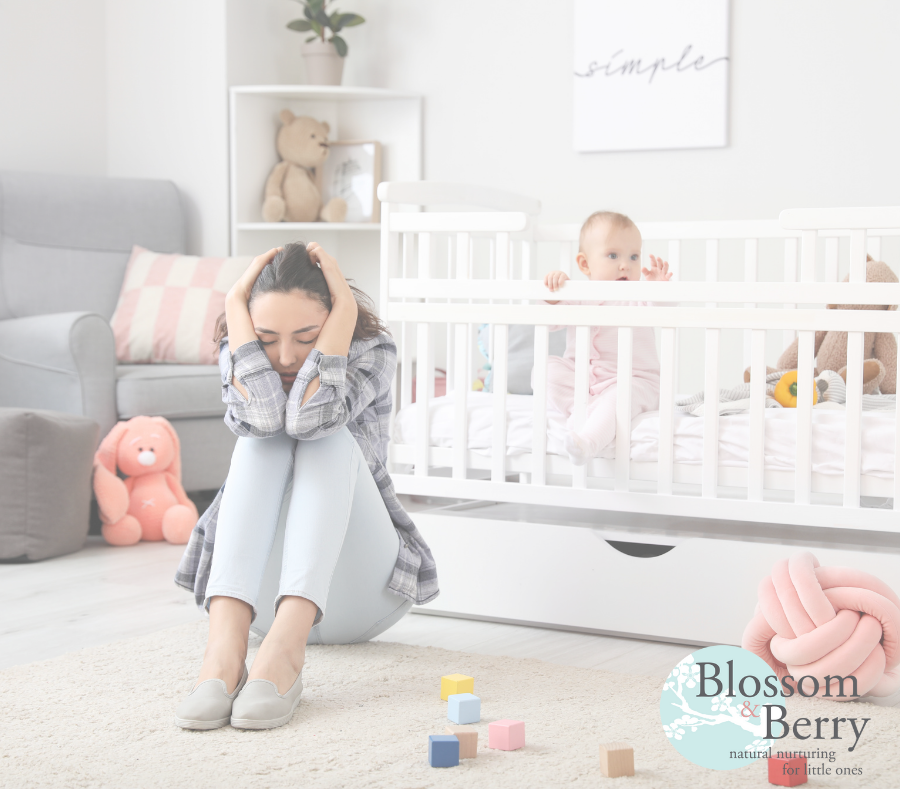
[[46, 460]]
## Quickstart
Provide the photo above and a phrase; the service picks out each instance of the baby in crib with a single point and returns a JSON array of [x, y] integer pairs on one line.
[[609, 248]]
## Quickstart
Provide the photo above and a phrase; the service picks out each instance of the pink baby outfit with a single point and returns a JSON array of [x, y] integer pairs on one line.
[[600, 425]]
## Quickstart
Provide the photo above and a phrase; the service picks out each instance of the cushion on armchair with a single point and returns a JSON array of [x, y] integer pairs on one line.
[[46, 459], [169, 304]]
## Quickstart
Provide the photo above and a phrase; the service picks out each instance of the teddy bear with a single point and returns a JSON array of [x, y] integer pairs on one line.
[[879, 348], [150, 502], [292, 194]]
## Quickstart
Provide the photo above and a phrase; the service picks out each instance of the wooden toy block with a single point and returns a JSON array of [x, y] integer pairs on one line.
[[787, 770], [468, 740], [507, 735], [464, 708], [616, 759], [443, 750], [456, 683]]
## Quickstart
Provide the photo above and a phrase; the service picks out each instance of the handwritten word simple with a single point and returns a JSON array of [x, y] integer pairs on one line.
[[625, 68]]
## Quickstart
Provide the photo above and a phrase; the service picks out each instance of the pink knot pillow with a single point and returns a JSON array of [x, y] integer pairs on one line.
[[819, 621], [168, 307]]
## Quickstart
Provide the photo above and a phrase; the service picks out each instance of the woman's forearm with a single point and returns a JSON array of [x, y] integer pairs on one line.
[[240, 328]]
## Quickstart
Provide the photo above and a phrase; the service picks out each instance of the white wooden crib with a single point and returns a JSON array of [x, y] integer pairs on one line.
[[525, 536]]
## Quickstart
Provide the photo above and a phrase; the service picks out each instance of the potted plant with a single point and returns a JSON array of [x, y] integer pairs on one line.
[[324, 56]]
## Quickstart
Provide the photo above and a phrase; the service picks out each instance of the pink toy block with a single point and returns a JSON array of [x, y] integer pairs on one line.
[[787, 770], [507, 735]]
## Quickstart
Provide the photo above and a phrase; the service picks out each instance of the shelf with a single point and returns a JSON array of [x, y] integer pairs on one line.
[[327, 92], [342, 226]]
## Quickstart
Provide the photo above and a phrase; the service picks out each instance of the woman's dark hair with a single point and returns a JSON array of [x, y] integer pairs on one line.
[[290, 270]]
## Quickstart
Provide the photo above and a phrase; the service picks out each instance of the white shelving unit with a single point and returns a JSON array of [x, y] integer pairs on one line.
[[393, 118]]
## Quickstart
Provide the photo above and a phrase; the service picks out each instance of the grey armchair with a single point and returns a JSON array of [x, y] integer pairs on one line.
[[64, 244]]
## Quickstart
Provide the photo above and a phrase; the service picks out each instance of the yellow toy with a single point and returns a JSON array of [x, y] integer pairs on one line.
[[456, 683], [786, 390]]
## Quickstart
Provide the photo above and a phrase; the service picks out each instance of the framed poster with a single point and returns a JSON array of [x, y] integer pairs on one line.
[[650, 74], [352, 171]]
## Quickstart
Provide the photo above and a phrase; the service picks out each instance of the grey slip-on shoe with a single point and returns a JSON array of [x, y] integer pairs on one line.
[[208, 706], [260, 706]]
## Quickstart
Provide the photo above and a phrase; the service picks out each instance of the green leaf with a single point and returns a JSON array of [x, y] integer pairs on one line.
[[322, 18], [352, 20], [300, 25], [340, 45], [307, 12], [317, 28], [312, 38]]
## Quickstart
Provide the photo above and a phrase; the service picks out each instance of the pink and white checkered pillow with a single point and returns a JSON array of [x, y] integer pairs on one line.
[[168, 307]]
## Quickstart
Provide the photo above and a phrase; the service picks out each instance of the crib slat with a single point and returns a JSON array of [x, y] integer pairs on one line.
[[406, 331], [498, 377], [790, 275], [832, 248], [579, 408], [539, 404], [857, 256], [499, 368], [712, 264], [808, 256], [897, 448], [853, 412], [450, 356], [675, 267], [853, 407], [424, 367], [423, 398], [666, 411], [711, 416], [805, 383], [462, 371], [756, 460], [751, 273], [624, 365]]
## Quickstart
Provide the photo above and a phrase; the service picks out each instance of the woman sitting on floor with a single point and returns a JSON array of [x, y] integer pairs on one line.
[[308, 393]]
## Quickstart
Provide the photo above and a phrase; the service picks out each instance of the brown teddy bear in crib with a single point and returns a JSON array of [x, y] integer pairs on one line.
[[292, 194], [879, 348]]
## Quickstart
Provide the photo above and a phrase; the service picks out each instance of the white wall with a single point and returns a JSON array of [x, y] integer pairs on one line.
[[168, 105], [813, 116], [53, 86]]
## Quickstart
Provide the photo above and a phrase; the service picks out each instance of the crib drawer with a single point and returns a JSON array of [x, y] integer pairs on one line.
[[701, 591]]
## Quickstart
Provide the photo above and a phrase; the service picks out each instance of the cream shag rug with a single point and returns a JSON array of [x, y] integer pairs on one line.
[[102, 717]]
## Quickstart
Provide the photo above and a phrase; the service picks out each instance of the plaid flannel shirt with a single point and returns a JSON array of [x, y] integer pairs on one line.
[[354, 390]]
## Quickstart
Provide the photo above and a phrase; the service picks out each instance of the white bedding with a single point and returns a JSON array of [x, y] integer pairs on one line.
[[878, 430]]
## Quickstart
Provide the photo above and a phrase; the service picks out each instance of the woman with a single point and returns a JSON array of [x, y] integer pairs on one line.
[[308, 393]]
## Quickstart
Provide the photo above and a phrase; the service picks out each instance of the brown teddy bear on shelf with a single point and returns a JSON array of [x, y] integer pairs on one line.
[[879, 348], [292, 194]]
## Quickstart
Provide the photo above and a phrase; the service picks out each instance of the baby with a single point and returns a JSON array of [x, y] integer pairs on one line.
[[609, 248]]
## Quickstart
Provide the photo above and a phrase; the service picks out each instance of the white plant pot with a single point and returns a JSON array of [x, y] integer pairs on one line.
[[324, 66]]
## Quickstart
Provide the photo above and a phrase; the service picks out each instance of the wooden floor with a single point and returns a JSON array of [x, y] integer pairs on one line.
[[103, 594]]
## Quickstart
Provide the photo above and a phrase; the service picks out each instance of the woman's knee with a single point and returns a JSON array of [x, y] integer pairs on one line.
[[328, 452]]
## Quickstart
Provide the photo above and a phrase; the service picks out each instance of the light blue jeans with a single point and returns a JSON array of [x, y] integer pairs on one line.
[[321, 532]]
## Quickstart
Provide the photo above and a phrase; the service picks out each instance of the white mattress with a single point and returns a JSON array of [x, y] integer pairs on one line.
[[828, 429]]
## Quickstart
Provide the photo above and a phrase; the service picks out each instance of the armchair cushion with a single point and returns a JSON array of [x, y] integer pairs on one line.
[[175, 391]]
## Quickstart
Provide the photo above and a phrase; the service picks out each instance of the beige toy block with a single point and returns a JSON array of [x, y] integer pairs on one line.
[[468, 740], [616, 758]]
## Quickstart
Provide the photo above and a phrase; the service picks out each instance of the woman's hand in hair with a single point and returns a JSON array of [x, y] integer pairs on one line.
[[241, 289], [237, 312], [336, 335]]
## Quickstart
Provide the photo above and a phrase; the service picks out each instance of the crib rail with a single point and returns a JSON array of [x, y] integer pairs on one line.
[[426, 296]]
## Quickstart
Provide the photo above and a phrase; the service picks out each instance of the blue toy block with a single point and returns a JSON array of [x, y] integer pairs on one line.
[[443, 750], [464, 708]]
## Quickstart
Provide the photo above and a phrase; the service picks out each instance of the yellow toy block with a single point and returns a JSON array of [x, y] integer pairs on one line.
[[456, 683]]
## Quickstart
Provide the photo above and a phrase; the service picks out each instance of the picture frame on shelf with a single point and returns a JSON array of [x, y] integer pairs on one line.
[[352, 171]]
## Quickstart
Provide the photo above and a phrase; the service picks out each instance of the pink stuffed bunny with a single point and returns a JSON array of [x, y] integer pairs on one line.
[[150, 503]]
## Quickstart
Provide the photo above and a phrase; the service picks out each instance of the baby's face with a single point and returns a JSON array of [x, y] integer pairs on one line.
[[611, 252]]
